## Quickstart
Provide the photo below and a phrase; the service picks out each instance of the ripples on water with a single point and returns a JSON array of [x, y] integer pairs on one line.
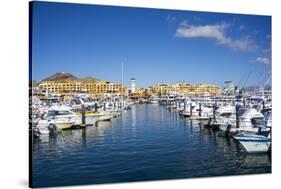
[[147, 142]]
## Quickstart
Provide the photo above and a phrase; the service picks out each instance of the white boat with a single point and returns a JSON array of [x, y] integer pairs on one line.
[[64, 118], [154, 100], [106, 116], [115, 111], [268, 120], [57, 124], [186, 112], [250, 121], [130, 103], [254, 143], [249, 117], [225, 110], [206, 112]]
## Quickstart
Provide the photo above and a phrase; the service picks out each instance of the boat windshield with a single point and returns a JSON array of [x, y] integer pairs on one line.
[[226, 114], [59, 112]]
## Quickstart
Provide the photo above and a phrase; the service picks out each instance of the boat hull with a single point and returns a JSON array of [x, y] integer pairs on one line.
[[58, 124], [106, 117], [254, 144]]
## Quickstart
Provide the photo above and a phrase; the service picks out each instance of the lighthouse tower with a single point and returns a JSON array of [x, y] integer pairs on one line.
[[133, 85]]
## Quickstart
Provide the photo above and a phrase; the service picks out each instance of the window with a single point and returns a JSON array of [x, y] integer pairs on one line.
[[63, 112]]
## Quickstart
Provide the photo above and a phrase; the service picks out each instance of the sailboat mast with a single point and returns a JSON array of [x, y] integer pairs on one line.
[[122, 72], [122, 87]]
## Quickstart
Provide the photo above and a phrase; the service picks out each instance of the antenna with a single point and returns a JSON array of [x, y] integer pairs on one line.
[[122, 71]]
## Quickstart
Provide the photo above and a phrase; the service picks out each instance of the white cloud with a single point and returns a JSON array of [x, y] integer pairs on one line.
[[216, 32], [262, 60], [207, 31]]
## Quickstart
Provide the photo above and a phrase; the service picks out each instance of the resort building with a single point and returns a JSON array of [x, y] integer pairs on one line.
[[96, 89], [184, 89], [66, 84]]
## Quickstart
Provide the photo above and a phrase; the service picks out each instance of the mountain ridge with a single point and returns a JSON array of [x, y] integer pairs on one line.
[[64, 76]]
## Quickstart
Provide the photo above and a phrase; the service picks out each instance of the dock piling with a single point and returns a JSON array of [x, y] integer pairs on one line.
[[96, 107], [237, 115], [214, 112], [83, 117], [190, 109]]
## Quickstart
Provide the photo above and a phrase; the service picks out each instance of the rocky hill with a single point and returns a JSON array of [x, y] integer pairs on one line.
[[63, 76]]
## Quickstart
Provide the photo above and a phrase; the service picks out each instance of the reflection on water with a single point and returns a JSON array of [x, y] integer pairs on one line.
[[250, 161], [147, 142]]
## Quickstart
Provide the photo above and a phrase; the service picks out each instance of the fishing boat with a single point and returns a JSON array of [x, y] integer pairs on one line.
[[107, 116], [58, 123], [63, 117], [225, 111], [250, 121], [254, 143], [250, 116], [189, 110]]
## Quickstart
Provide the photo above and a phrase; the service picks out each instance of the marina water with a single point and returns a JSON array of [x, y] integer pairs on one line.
[[147, 142]]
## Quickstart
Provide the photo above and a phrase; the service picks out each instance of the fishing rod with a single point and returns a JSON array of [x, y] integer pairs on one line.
[[247, 78], [241, 79]]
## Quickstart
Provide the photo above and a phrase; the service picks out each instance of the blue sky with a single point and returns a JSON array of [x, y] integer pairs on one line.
[[154, 45]]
